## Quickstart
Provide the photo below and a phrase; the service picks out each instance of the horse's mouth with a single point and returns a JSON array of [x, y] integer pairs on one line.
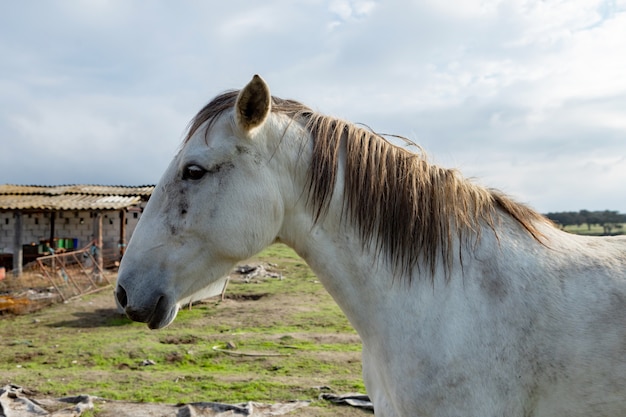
[[164, 313]]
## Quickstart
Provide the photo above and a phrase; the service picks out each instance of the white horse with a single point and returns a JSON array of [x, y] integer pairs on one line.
[[467, 303]]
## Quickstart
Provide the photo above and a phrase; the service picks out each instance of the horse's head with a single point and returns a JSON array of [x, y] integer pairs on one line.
[[218, 202]]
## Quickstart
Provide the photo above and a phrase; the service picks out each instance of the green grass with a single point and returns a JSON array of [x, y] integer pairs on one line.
[[70, 349], [592, 230]]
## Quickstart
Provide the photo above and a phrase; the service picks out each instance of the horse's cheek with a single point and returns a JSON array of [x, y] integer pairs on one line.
[[251, 233]]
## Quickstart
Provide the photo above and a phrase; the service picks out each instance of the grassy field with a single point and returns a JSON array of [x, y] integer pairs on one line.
[[593, 230], [291, 342]]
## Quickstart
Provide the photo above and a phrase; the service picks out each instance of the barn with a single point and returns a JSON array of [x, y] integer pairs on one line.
[[36, 220]]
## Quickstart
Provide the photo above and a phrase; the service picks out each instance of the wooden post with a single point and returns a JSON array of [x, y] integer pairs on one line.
[[97, 233], [18, 250], [51, 245], [122, 232]]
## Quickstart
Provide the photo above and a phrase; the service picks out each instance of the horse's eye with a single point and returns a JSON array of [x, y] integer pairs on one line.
[[193, 172]]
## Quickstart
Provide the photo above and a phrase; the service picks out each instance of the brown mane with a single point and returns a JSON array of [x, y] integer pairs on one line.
[[410, 209]]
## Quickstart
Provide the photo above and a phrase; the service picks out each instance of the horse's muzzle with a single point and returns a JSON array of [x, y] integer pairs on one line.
[[157, 314]]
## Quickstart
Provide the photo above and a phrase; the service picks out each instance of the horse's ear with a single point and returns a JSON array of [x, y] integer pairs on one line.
[[253, 104]]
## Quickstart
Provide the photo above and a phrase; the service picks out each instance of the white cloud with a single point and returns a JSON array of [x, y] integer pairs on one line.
[[512, 91], [347, 9]]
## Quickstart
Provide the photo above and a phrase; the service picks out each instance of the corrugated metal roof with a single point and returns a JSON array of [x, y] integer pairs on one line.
[[142, 190], [71, 197]]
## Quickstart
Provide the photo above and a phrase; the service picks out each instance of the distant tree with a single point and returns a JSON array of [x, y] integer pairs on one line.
[[585, 216], [593, 218], [566, 218], [610, 219], [607, 219]]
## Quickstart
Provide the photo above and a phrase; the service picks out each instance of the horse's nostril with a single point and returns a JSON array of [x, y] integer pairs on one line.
[[120, 294]]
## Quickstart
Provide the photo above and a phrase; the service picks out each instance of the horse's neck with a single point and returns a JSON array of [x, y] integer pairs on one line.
[[356, 276]]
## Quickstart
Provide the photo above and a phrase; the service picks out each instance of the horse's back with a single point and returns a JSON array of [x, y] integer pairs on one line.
[[585, 373]]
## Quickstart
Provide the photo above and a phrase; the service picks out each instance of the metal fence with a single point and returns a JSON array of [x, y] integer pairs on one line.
[[74, 273], [56, 278]]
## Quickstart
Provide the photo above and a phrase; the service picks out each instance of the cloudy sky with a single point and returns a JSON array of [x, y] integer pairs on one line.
[[526, 96]]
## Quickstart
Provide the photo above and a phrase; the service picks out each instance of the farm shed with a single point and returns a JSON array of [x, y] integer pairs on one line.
[[35, 219]]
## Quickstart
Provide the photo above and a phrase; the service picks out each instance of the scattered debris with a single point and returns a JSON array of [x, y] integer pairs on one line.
[[245, 269], [27, 301], [229, 351], [16, 401], [257, 271], [353, 399]]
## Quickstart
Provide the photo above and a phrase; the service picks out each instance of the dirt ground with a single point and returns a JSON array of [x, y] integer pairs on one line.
[[19, 402], [101, 307]]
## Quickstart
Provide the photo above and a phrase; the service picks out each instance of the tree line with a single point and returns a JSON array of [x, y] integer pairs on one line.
[[608, 219]]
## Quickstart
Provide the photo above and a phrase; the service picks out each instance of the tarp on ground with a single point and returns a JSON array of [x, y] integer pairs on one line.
[[16, 401]]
